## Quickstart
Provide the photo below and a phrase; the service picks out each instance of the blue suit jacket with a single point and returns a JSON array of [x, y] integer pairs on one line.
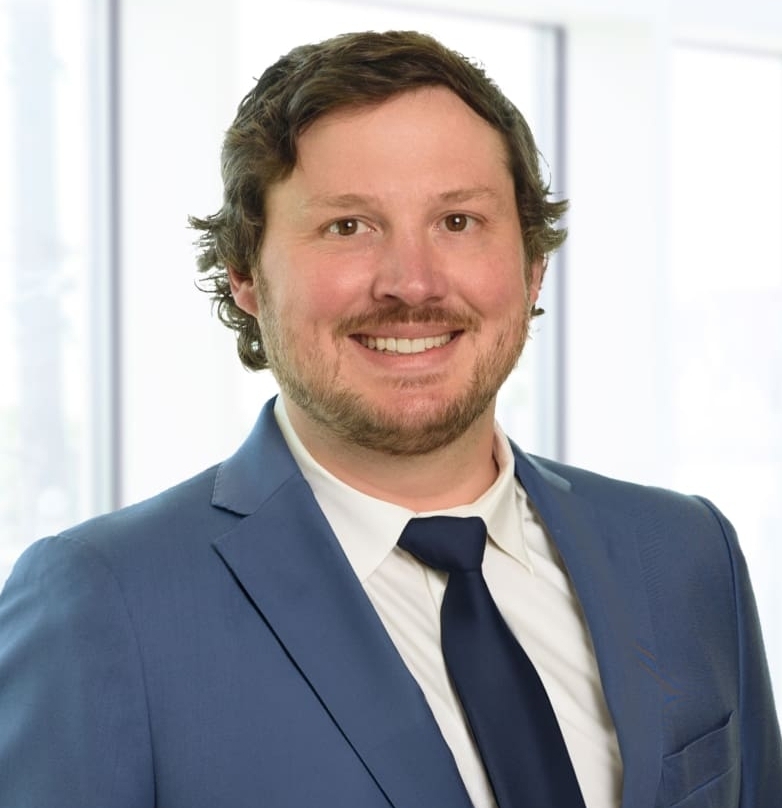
[[212, 647]]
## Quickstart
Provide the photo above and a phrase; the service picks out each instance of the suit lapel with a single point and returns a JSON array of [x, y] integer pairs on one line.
[[601, 554], [287, 559]]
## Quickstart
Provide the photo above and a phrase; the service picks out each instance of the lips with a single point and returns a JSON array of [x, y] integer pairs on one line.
[[405, 345]]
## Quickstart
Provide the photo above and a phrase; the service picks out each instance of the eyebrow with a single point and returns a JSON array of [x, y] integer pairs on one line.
[[342, 201], [468, 194], [348, 201]]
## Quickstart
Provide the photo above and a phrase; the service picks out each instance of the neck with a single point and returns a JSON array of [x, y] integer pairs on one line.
[[455, 474]]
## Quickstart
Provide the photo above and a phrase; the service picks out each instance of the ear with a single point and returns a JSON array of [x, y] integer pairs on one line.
[[536, 279], [243, 291]]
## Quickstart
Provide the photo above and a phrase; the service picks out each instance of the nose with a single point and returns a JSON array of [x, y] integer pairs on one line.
[[409, 271]]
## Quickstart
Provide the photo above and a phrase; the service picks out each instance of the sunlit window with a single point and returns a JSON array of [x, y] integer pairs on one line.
[[726, 293], [52, 402]]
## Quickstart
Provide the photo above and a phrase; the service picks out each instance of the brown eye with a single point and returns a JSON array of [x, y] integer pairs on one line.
[[344, 227], [456, 222]]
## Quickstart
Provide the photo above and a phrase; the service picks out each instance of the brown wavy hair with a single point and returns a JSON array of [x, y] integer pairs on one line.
[[351, 70]]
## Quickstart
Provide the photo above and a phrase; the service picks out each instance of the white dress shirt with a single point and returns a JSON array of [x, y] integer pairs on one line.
[[531, 588]]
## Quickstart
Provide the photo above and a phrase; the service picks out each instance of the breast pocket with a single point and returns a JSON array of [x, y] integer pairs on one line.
[[706, 773]]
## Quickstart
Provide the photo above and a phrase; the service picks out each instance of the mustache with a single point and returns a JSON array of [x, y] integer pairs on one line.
[[402, 314]]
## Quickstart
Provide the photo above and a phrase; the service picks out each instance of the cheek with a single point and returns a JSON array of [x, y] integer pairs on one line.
[[499, 289], [329, 290], [310, 306]]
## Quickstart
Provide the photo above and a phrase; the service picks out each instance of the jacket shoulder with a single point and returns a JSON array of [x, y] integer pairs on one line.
[[635, 500], [173, 527]]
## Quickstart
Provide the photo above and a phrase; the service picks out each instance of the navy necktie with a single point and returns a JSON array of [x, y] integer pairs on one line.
[[506, 705]]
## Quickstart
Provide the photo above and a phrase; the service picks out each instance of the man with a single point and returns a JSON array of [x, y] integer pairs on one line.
[[255, 636]]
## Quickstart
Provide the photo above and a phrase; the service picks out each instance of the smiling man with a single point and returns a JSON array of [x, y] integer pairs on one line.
[[393, 295], [379, 600]]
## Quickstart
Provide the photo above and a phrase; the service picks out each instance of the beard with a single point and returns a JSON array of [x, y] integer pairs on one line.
[[313, 384]]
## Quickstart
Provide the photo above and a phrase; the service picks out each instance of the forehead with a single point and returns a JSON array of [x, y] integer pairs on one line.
[[414, 136]]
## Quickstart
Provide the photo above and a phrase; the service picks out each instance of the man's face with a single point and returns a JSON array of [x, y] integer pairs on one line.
[[391, 290]]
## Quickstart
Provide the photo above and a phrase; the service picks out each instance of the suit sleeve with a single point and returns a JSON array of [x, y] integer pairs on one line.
[[761, 758], [73, 718]]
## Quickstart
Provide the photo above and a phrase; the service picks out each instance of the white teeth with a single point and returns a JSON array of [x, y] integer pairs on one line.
[[403, 345]]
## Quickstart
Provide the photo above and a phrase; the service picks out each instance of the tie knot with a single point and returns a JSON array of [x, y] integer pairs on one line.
[[447, 543]]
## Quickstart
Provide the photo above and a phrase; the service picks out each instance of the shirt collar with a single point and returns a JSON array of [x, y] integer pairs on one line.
[[368, 528]]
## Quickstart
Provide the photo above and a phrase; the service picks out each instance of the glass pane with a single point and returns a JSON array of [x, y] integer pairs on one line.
[[48, 417], [727, 302]]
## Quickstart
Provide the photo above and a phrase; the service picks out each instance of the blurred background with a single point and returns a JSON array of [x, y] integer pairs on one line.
[[659, 358]]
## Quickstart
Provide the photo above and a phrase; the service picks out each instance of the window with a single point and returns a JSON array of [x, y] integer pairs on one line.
[[726, 298], [54, 279]]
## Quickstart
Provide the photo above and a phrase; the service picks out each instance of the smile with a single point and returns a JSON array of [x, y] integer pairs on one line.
[[403, 345]]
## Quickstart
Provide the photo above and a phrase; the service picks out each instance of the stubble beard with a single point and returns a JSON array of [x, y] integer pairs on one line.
[[313, 385]]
